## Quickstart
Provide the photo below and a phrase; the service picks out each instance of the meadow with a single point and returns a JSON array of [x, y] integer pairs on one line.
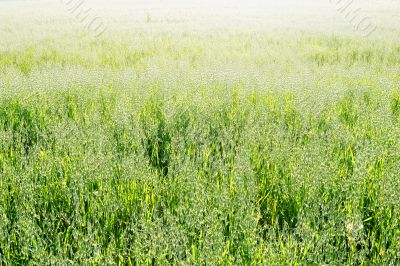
[[188, 138]]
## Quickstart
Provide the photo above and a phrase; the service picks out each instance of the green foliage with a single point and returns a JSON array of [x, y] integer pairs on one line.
[[199, 157], [26, 125], [157, 138]]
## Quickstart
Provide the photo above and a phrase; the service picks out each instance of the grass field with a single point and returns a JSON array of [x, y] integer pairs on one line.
[[199, 136]]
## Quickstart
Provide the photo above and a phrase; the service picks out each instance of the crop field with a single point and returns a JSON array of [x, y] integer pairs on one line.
[[199, 133]]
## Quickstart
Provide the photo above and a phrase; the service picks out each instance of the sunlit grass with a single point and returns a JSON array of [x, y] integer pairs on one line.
[[184, 148]]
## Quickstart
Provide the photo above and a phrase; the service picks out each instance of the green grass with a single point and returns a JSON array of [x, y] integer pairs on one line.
[[219, 149]]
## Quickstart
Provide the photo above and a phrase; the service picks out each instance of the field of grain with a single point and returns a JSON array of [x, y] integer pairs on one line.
[[199, 133]]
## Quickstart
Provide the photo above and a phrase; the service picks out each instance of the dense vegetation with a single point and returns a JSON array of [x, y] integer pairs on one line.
[[190, 149]]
